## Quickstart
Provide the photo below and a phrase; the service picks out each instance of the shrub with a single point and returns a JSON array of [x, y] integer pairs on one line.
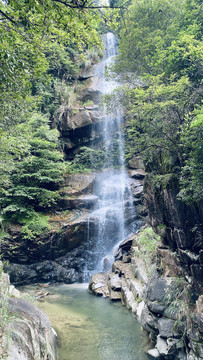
[[35, 227]]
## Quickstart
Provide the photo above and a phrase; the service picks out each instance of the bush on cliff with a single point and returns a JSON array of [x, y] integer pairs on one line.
[[38, 175], [161, 61]]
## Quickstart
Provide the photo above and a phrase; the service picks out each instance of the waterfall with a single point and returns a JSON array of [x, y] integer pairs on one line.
[[112, 185]]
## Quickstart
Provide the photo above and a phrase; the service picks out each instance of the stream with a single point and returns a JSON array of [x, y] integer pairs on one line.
[[92, 328]]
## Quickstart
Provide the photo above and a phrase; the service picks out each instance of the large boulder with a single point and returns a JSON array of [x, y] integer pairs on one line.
[[31, 335], [83, 117], [138, 174], [79, 202], [90, 94], [77, 184], [99, 285], [86, 72], [136, 163]]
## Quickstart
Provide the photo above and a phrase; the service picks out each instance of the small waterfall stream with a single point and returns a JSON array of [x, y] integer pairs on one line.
[[112, 185]]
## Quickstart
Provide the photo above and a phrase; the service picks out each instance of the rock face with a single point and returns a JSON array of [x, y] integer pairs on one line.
[[180, 225], [61, 254], [25, 331], [166, 304], [78, 184], [31, 334], [81, 126]]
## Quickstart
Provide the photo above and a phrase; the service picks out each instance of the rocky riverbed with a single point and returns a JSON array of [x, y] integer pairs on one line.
[[161, 298]]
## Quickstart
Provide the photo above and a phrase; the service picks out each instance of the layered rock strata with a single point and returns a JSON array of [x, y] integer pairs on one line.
[[179, 224], [61, 254], [167, 306]]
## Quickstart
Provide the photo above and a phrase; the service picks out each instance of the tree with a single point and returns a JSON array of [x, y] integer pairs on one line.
[[38, 175], [161, 63], [192, 143]]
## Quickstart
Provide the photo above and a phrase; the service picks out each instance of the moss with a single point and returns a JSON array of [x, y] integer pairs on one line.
[[147, 241], [161, 230]]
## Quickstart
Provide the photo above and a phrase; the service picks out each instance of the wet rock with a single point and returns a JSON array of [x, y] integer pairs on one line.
[[79, 183], [21, 274], [126, 244], [136, 163], [138, 174], [90, 94], [162, 346], [107, 262], [46, 271], [80, 202], [156, 307], [156, 290], [153, 354], [124, 249], [99, 285], [137, 191], [166, 327]]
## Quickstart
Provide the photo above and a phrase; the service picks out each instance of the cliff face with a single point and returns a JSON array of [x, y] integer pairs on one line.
[[164, 294], [179, 224]]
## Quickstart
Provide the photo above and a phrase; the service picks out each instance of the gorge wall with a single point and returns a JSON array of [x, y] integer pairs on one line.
[[164, 289], [179, 224], [158, 296]]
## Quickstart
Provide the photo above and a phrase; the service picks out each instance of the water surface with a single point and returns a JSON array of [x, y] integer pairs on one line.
[[92, 328]]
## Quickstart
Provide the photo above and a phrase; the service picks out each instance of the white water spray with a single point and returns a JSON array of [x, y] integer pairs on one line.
[[112, 186]]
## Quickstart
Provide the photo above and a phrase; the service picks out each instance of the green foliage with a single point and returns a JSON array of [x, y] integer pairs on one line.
[[36, 226], [72, 168], [192, 172], [90, 158], [147, 241], [161, 63], [38, 174]]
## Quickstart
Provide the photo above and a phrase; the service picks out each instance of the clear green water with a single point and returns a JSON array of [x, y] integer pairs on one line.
[[92, 328]]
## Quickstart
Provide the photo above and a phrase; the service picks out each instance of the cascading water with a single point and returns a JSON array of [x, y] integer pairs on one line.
[[88, 327], [112, 186]]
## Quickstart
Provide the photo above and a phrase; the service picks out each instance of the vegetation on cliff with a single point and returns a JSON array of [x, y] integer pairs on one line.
[[161, 63], [43, 45]]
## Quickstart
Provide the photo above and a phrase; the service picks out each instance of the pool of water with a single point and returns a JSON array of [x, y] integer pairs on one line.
[[92, 328]]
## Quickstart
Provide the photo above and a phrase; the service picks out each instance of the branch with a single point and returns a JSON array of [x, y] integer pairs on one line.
[[83, 6], [7, 17]]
